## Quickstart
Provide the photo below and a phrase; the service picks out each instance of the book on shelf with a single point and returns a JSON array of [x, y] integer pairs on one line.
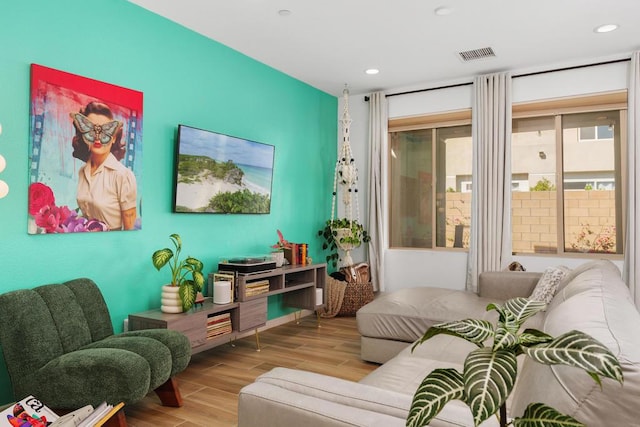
[[258, 283], [256, 291], [297, 253], [216, 332], [219, 324], [217, 317], [256, 287]]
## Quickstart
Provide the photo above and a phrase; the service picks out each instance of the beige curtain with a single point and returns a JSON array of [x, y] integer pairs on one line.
[[632, 241], [378, 121], [490, 243]]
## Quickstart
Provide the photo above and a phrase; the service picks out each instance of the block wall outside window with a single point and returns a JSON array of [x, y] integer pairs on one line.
[[567, 181]]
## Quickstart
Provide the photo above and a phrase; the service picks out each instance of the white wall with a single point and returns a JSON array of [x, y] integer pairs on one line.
[[408, 267]]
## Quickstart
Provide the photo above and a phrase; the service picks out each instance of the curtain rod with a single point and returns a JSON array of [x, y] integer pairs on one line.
[[575, 67]]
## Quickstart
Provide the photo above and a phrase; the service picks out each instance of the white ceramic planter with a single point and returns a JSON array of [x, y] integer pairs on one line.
[[171, 302], [346, 247], [278, 257]]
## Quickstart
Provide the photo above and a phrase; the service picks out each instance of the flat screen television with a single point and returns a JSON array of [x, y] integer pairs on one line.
[[221, 174]]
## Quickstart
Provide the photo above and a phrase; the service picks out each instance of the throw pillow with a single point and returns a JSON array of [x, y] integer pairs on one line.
[[548, 284]]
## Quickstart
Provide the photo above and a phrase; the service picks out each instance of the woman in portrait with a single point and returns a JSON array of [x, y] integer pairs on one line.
[[106, 188]]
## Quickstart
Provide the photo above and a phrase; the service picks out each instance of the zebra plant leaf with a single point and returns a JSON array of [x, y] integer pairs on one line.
[[472, 330], [539, 414], [504, 339], [523, 308], [490, 372], [533, 336], [489, 377], [436, 389], [578, 349]]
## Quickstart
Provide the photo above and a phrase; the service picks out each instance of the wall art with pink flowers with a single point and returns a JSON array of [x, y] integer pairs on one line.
[[85, 152]]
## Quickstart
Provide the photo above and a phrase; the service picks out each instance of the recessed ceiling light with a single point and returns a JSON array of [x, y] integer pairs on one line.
[[606, 28], [372, 71], [443, 11], [284, 12]]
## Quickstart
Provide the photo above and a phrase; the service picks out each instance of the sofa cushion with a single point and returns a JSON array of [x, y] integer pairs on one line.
[[599, 263], [404, 374], [341, 391], [68, 316], [379, 350], [264, 404], [548, 284], [156, 354], [406, 314], [596, 302]]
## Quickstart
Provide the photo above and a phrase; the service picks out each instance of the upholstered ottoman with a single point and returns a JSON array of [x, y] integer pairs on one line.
[[394, 320]]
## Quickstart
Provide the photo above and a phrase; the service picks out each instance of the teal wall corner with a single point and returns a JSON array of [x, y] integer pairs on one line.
[[187, 79]]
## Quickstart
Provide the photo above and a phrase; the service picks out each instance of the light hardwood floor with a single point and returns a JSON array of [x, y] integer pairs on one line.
[[211, 383]]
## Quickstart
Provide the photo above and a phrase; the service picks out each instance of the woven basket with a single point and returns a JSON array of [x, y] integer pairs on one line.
[[355, 296]]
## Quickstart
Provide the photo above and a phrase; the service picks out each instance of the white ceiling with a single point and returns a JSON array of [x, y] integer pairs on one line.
[[329, 43]]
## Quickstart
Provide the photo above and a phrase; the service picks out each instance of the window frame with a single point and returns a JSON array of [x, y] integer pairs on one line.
[[431, 122], [616, 100]]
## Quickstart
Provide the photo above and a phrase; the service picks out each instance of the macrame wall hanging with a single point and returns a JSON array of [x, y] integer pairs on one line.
[[348, 231]]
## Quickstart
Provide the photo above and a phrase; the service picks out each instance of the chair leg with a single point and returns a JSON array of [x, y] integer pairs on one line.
[[169, 393], [117, 420]]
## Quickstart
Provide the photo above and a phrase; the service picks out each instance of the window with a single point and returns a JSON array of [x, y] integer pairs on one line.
[[573, 158], [430, 183], [596, 132]]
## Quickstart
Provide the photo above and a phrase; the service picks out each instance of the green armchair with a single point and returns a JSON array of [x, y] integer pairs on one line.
[[58, 345]]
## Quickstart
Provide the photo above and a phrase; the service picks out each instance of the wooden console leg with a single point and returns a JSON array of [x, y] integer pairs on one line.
[[169, 393], [257, 340]]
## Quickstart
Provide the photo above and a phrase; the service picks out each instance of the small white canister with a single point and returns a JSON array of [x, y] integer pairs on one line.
[[222, 292]]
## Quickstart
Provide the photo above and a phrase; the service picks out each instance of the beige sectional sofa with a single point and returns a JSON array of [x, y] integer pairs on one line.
[[592, 298]]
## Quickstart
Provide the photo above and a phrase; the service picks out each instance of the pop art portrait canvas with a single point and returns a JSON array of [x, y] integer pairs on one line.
[[85, 154]]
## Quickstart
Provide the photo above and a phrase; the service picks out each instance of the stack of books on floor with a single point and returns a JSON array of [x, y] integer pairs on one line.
[[218, 325], [101, 414], [256, 288], [30, 412]]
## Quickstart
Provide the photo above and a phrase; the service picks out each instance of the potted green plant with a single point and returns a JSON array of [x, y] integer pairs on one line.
[[187, 288], [344, 234], [277, 250], [490, 372]]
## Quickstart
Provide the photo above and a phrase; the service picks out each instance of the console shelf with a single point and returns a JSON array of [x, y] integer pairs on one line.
[[297, 284]]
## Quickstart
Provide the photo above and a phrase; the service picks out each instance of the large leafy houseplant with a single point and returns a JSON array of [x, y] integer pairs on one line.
[[490, 372], [344, 234], [180, 270]]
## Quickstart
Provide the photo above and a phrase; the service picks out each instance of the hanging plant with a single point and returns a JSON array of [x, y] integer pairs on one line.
[[344, 234]]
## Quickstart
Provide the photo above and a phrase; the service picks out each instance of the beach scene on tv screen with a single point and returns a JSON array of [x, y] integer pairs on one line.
[[218, 173]]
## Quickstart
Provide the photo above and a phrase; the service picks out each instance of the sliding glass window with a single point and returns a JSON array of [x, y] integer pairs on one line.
[[567, 179], [430, 186]]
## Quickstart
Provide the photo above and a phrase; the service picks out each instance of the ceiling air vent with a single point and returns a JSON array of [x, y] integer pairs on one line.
[[470, 55]]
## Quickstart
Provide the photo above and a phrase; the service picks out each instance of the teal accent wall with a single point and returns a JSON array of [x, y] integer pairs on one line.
[[186, 78]]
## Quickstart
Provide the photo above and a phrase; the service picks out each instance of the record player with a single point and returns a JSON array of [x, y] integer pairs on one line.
[[247, 265]]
